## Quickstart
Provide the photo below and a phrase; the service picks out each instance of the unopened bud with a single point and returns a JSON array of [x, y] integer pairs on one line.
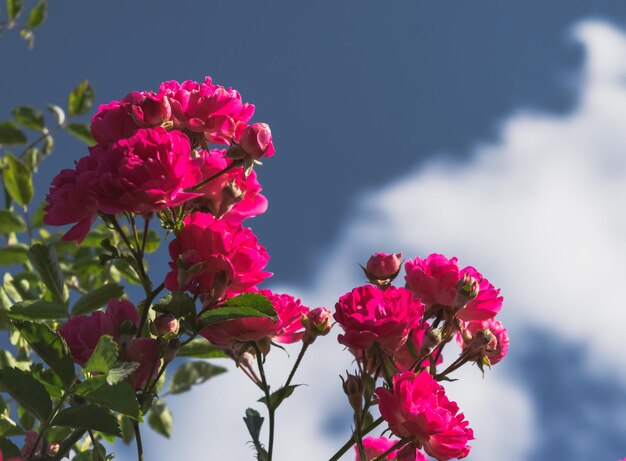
[[264, 345], [353, 388], [256, 141], [171, 349], [481, 341], [382, 268], [317, 322], [53, 449], [231, 195], [466, 289], [432, 339], [165, 326], [151, 110]]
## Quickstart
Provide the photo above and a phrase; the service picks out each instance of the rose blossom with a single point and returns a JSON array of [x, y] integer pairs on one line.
[[417, 406], [496, 339], [376, 446], [213, 257], [254, 141], [231, 196], [145, 173], [368, 314], [435, 281], [81, 333], [121, 119], [287, 328], [206, 109], [383, 266]]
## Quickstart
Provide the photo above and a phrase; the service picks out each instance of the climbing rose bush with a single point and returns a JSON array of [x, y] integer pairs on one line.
[[100, 339]]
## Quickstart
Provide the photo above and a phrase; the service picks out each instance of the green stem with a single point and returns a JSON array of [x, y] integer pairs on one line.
[[346, 446], [46, 424], [271, 411], [297, 364], [146, 307], [235, 164], [138, 439]]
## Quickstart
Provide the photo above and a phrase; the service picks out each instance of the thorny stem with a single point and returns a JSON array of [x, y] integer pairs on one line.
[[271, 411], [350, 442]]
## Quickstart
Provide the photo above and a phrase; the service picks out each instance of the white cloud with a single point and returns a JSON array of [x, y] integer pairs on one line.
[[541, 211]]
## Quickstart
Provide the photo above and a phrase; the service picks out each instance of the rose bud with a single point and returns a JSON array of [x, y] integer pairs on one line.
[[317, 322], [382, 268], [151, 110], [467, 289], [353, 388], [256, 141], [165, 325]]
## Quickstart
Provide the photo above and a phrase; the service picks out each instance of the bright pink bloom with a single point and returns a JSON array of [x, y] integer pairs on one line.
[[418, 407], [433, 279], [376, 446], [207, 109], [256, 141], [383, 266], [145, 352], [83, 332], [213, 257], [484, 306], [145, 173], [231, 196], [121, 119], [368, 314], [287, 329], [498, 346]]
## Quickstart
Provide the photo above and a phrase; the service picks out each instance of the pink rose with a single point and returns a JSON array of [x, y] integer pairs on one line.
[[145, 173], [484, 306], [214, 257], [368, 314], [287, 329], [417, 406], [376, 446], [488, 337], [231, 196], [317, 322], [433, 279], [206, 109], [383, 266], [254, 141], [145, 352]]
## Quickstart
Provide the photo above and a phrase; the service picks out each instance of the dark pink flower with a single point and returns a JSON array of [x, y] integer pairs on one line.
[[484, 306], [214, 257], [433, 279], [417, 406], [83, 332], [255, 140], [383, 266], [145, 173], [488, 337], [287, 329], [145, 352], [231, 196], [368, 314], [207, 109], [376, 446]]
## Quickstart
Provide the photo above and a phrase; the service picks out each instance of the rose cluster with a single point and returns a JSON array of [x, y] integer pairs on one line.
[[398, 334], [153, 154]]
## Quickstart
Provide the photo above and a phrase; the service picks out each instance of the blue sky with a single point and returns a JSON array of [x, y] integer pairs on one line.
[[486, 130]]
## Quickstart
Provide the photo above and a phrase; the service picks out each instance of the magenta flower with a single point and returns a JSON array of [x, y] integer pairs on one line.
[[231, 196], [376, 446], [383, 266], [495, 339], [370, 315], [213, 257], [287, 329], [433, 279], [206, 109], [255, 140], [484, 306], [417, 406]]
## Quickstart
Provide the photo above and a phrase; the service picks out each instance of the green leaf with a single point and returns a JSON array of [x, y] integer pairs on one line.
[[119, 397], [51, 348], [90, 418], [160, 419], [254, 421], [276, 398], [11, 135], [37, 310], [121, 371], [178, 303], [26, 419], [29, 117], [80, 99], [13, 8], [193, 373], [44, 260], [254, 301], [18, 180], [8, 427], [11, 222], [200, 348], [128, 431], [97, 298], [9, 449], [223, 314], [37, 15], [81, 131], [103, 357], [27, 391], [13, 254]]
